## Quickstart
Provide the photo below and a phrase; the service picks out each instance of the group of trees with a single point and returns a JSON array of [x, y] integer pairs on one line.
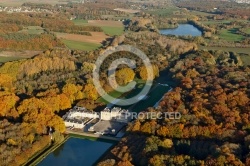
[[20, 41], [13, 39], [6, 28], [56, 23]]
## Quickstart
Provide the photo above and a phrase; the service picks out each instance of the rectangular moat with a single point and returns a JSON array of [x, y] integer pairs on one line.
[[77, 152]]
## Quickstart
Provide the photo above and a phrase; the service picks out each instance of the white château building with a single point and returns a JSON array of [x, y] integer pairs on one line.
[[116, 114], [78, 117]]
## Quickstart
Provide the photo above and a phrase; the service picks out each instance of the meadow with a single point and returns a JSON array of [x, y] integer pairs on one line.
[[110, 28], [7, 59], [230, 35], [81, 45], [32, 30]]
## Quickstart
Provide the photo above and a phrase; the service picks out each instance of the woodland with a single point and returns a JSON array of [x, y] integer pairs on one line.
[[211, 89]]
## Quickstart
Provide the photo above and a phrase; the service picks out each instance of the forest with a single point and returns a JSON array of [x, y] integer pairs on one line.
[[211, 89]]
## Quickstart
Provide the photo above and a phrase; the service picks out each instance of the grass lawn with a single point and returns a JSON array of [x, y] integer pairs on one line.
[[80, 22], [117, 94], [230, 35], [153, 98], [114, 94], [7, 59], [112, 31], [81, 45]]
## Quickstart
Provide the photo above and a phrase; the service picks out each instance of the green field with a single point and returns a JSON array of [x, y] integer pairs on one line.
[[7, 59], [80, 22], [114, 94], [32, 30], [81, 45], [230, 35], [117, 94], [108, 30], [112, 31]]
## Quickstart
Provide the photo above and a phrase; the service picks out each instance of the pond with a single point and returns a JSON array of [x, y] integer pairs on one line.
[[182, 30], [77, 152]]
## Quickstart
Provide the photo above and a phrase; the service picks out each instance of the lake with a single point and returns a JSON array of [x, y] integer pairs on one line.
[[77, 152], [182, 30]]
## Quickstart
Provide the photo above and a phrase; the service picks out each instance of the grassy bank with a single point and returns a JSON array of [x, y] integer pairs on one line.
[[11, 58], [39, 156]]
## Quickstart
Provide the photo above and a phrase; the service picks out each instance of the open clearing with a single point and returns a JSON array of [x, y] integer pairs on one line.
[[110, 28], [99, 23], [6, 56], [77, 45], [230, 35], [96, 38], [87, 43], [7, 59], [32, 30], [112, 31]]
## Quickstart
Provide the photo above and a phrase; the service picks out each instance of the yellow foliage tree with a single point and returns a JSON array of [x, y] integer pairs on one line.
[[144, 74], [7, 103], [124, 76], [90, 92]]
